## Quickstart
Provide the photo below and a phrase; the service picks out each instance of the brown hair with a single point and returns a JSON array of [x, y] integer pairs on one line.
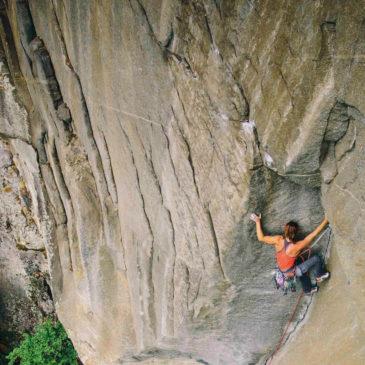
[[290, 230]]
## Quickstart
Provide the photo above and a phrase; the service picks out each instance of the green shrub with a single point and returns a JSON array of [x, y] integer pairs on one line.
[[49, 345]]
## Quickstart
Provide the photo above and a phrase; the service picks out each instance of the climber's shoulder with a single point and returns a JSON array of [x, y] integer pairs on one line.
[[272, 240], [279, 242]]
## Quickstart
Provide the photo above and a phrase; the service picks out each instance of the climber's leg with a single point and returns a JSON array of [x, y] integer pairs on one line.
[[306, 283], [314, 263]]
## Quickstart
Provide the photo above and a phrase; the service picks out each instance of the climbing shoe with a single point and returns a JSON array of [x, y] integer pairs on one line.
[[325, 276], [313, 290]]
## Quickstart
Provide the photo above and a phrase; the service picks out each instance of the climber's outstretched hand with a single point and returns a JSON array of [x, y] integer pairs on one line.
[[255, 218]]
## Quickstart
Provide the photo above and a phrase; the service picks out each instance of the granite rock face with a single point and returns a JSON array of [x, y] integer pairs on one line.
[[147, 132], [25, 291]]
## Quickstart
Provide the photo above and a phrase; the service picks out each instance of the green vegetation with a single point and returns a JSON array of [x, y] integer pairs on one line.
[[49, 345]]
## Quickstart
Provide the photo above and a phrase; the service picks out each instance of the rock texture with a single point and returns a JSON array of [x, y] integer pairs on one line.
[[25, 294], [146, 134]]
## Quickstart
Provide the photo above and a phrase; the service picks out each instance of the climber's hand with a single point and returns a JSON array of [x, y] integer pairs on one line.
[[255, 218]]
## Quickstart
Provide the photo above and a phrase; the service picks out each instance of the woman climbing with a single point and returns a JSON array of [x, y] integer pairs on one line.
[[288, 251]]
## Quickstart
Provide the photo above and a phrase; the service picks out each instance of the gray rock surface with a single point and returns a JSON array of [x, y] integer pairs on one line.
[[147, 132], [25, 294]]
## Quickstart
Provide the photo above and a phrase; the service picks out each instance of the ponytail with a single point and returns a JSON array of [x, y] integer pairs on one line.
[[290, 230]]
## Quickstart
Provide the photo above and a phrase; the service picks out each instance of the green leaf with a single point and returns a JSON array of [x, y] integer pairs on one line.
[[49, 345]]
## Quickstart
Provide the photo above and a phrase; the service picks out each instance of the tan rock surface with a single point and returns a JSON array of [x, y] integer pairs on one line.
[[157, 128]]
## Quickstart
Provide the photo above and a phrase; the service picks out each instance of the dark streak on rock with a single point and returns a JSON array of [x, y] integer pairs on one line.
[[113, 188], [170, 39], [187, 280], [215, 241], [190, 159], [209, 29], [22, 247], [286, 86], [170, 156], [63, 191]]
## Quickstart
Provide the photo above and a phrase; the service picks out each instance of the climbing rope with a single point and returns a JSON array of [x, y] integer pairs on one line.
[[286, 329], [317, 240], [280, 343]]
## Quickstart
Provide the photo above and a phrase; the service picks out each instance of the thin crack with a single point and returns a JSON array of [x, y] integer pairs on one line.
[[215, 241]]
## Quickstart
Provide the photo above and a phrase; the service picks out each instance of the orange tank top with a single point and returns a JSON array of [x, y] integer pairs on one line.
[[284, 261]]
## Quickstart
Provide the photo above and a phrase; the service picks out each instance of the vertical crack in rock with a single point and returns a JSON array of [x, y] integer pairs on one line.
[[57, 205], [140, 287], [168, 211], [198, 246], [169, 40], [54, 198], [286, 86], [27, 30], [182, 106], [164, 46], [190, 159], [187, 281], [92, 148], [65, 197], [170, 156], [143, 11], [150, 163], [215, 241], [151, 308], [112, 189], [209, 29]]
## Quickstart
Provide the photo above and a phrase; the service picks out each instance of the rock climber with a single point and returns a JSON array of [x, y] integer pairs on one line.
[[288, 252]]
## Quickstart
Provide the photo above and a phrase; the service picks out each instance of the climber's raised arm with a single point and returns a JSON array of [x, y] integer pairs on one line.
[[270, 240], [300, 245]]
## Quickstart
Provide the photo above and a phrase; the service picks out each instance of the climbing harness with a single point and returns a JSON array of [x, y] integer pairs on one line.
[[284, 282]]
